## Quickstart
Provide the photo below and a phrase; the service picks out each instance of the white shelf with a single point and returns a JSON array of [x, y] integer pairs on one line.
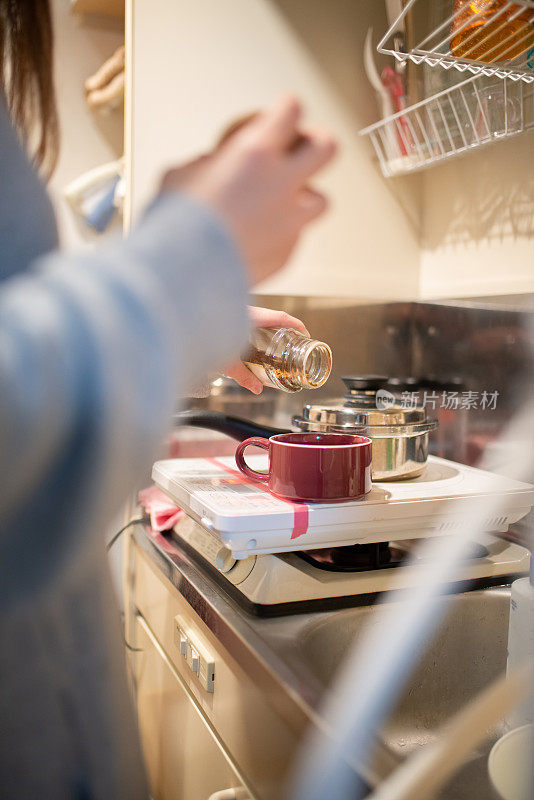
[[435, 25], [467, 116]]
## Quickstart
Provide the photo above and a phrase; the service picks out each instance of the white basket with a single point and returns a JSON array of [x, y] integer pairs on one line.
[[433, 40], [469, 115]]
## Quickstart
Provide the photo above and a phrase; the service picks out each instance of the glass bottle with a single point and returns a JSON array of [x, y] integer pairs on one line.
[[285, 359], [491, 30]]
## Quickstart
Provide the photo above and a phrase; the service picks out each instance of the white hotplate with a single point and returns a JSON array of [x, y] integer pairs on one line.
[[250, 521]]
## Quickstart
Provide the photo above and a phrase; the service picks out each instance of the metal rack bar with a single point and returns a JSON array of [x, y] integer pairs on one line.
[[471, 114], [471, 120], [425, 136], [436, 133], [435, 43], [458, 123], [481, 110]]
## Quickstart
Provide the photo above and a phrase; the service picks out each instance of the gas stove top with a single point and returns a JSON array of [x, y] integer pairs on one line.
[[275, 584], [349, 552]]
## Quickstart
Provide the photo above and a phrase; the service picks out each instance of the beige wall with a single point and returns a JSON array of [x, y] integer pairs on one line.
[[82, 44], [478, 222], [198, 63], [465, 227]]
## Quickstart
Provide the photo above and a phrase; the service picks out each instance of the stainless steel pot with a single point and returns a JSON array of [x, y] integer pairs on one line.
[[226, 396], [399, 435]]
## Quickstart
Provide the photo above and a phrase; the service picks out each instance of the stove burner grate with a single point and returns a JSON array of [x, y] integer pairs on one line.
[[355, 558], [366, 557]]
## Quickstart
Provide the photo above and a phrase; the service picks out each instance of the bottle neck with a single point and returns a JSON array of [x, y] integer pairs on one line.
[[310, 363], [298, 362]]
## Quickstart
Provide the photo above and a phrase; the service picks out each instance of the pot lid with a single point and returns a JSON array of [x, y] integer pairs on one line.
[[367, 404], [332, 413]]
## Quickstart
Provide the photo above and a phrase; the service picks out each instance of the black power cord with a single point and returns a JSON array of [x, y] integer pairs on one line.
[[140, 521], [114, 538]]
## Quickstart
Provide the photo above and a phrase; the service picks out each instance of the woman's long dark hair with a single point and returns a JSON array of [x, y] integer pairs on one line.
[[26, 76]]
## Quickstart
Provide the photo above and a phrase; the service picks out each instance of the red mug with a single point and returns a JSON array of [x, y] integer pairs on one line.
[[312, 467]]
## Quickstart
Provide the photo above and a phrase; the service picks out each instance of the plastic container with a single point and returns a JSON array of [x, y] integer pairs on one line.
[[491, 30], [510, 764], [521, 640]]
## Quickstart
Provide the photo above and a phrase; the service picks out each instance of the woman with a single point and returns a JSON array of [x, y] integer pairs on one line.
[[94, 350]]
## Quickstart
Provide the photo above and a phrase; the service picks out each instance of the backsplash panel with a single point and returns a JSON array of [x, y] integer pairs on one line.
[[469, 346]]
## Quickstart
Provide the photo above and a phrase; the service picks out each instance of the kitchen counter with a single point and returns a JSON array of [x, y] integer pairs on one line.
[[258, 644], [292, 659], [273, 689]]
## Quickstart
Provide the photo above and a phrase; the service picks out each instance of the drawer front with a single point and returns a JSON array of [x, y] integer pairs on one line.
[[184, 759], [263, 742]]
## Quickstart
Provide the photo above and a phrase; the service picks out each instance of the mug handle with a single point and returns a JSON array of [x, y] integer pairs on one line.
[[254, 475]]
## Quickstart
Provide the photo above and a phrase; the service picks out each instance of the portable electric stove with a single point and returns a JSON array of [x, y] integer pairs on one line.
[[278, 557]]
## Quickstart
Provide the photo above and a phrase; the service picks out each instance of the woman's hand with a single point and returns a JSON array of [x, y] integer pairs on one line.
[[257, 180], [261, 318]]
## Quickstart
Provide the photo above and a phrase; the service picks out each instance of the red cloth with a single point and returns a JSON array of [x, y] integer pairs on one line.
[[164, 514]]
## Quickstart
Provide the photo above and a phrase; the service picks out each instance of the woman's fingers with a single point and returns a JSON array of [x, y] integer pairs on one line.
[[311, 204], [315, 151], [277, 126], [244, 377], [269, 318], [177, 177], [257, 183]]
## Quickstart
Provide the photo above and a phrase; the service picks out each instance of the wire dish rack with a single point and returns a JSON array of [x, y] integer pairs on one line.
[[483, 37], [473, 113]]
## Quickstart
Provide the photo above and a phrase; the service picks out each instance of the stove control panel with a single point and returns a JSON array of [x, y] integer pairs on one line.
[[211, 548]]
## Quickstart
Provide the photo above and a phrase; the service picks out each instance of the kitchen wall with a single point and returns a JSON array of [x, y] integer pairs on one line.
[[198, 64], [463, 228], [478, 222], [83, 42], [459, 346]]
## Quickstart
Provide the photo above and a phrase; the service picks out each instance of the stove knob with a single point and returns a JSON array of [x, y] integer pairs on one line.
[[224, 560]]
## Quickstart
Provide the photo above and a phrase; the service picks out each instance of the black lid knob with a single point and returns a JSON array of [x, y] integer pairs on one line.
[[401, 384], [440, 382], [364, 383]]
